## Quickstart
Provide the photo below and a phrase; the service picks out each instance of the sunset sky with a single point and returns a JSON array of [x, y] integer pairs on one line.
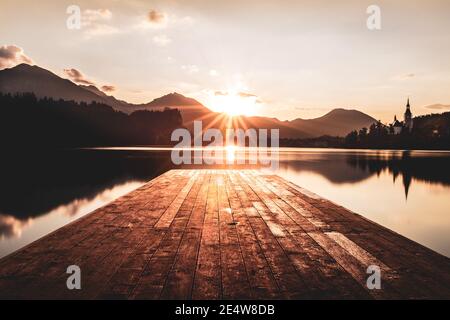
[[285, 59]]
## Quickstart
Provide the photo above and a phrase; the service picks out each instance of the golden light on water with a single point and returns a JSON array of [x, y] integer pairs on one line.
[[230, 151]]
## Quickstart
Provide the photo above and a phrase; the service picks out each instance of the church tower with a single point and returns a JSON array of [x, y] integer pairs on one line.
[[408, 123]]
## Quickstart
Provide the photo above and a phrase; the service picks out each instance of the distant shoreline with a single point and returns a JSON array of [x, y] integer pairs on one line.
[[168, 148]]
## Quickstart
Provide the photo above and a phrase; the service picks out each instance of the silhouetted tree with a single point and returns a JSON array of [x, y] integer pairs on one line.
[[429, 132], [352, 138], [28, 121]]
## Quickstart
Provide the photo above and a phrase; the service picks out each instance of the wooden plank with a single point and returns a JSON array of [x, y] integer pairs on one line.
[[180, 280], [347, 225], [112, 254], [351, 264], [259, 273], [168, 216], [327, 280], [232, 262], [152, 279], [208, 275], [290, 283]]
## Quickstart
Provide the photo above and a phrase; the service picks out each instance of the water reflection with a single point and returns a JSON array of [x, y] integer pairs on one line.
[[32, 185], [423, 166], [367, 182], [16, 232], [41, 192], [342, 166]]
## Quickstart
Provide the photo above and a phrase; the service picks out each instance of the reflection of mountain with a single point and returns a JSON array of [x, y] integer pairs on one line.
[[33, 186], [354, 167], [334, 170], [427, 168]]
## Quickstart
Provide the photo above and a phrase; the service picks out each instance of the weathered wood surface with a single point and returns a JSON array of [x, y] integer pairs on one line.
[[223, 234]]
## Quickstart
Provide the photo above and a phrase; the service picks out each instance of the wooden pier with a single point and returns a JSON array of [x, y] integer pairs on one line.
[[224, 234]]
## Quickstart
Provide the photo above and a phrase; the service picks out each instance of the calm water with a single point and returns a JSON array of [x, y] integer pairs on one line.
[[408, 192]]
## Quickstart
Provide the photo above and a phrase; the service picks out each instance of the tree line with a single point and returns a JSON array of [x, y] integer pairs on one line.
[[428, 132], [26, 120]]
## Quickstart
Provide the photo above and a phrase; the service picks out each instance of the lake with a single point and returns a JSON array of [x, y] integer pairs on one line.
[[406, 191]]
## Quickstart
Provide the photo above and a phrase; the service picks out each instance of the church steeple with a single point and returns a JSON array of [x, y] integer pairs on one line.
[[408, 123], [408, 111]]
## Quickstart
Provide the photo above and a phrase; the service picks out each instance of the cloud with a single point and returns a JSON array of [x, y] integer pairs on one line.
[[11, 227], [12, 55], [252, 96], [162, 40], [100, 30], [108, 88], [438, 106], [310, 108], [153, 20], [157, 17], [185, 21], [246, 95], [91, 15], [240, 94], [220, 93], [190, 68], [404, 76], [158, 20], [77, 77], [96, 22]]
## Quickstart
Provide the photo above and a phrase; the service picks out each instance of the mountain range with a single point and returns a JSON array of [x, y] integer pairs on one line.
[[25, 78]]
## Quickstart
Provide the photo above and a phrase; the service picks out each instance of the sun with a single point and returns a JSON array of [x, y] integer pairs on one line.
[[234, 103]]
